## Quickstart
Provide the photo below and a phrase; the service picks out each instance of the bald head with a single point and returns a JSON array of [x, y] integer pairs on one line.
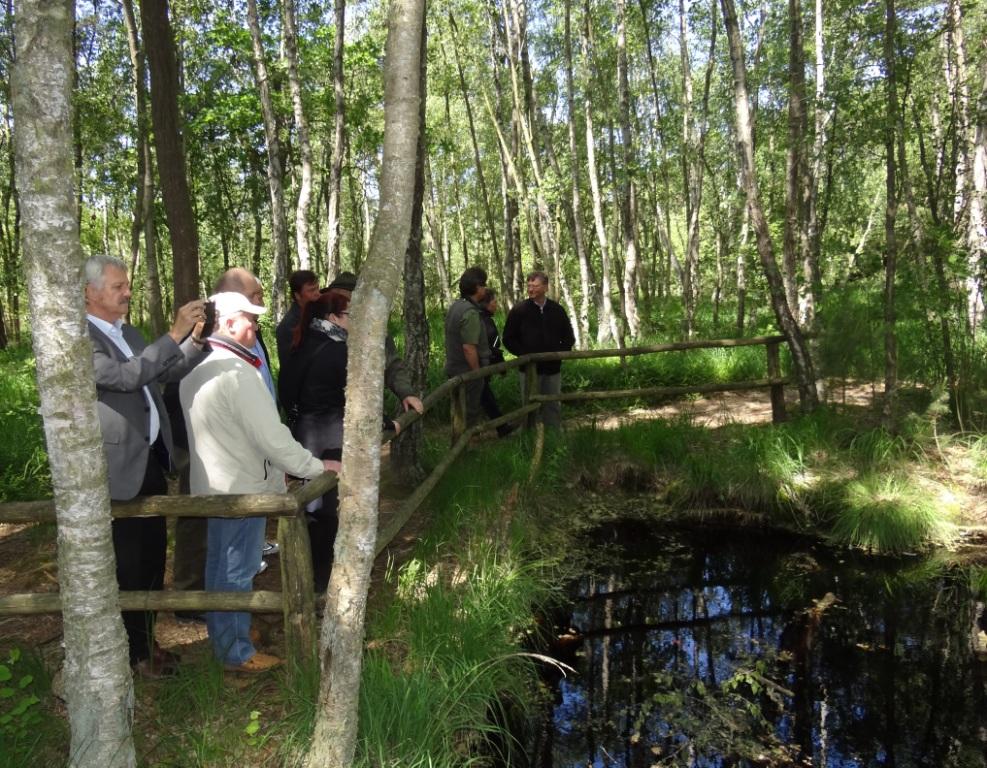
[[240, 280]]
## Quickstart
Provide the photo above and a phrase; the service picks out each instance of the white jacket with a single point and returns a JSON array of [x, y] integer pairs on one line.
[[236, 439]]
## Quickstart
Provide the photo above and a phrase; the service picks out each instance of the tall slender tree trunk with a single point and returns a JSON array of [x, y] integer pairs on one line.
[[333, 260], [890, 215], [795, 181], [607, 329], [976, 236], [960, 97], [290, 36], [409, 447], [745, 230], [628, 204], [98, 686], [693, 160], [813, 222], [589, 289], [801, 359], [275, 173], [341, 643], [143, 224], [488, 213], [166, 119]]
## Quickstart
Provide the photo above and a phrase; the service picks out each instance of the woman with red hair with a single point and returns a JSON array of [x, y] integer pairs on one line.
[[312, 389]]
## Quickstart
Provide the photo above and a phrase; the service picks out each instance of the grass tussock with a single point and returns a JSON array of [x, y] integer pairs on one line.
[[821, 473]]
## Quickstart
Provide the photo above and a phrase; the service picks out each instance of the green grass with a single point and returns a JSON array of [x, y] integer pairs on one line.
[[24, 474], [888, 514], [822, 473]]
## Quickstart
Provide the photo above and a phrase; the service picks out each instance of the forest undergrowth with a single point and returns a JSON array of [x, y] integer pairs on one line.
[[449, 661]]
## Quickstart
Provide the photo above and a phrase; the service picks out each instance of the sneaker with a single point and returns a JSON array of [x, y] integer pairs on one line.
[[270, 549], [263, 567], [259, 662]]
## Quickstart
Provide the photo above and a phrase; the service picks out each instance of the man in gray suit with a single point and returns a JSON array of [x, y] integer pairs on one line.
[[136, 434]]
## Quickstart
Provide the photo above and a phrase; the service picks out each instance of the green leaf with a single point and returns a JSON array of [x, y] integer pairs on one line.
[[24, 705], [25, 681], [5, 673], [6, 693]]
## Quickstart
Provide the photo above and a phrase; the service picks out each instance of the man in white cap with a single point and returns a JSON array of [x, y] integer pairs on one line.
[[237, 444]]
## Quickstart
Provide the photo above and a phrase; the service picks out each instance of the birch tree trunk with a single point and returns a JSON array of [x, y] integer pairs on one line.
[[98, 686], [587, 280], [341, 642], [628, 206], [275, 174], [607, 329], [977, 225], [890, 214], [409, 447], [801, 359], [960, 97], [693, 159], [290, 36], [823, 116], [488, 214], [166, 119], [333, 262], [795, 181]]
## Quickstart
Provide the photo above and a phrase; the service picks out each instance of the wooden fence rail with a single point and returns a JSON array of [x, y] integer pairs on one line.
[[296, 600]]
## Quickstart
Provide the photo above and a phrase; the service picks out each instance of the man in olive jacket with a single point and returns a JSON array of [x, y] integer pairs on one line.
[[539, 324], [466, 340]]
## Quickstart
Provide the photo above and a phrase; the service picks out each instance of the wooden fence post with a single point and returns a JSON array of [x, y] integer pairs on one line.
[[778, 413], [458, 404], [531, 388], [297, 593]]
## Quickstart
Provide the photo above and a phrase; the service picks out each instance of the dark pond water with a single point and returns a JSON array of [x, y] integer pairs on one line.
[[716, 648]]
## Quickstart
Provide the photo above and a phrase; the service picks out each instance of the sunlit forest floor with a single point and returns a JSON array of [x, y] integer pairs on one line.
[[951, 470]]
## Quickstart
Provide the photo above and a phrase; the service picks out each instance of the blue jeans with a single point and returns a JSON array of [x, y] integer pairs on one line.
[[232, 560]]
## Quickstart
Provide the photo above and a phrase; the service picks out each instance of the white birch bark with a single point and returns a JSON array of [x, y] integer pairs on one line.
[[290, 37], [334, 194], [98, 685], [977, 225], [275, 173], [341, 642]]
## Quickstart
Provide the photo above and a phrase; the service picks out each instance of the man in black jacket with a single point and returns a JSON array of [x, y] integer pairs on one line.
[[539, 324]]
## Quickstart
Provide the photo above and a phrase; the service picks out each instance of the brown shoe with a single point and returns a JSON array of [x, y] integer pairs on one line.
[[259, 662]]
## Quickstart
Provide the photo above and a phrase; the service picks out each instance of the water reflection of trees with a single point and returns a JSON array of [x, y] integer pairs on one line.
[[718, 650]]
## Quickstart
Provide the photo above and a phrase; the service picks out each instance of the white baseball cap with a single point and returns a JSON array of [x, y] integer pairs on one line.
[[230, 302]]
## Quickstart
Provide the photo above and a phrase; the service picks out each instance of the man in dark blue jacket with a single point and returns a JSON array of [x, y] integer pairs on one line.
[[539, 324]]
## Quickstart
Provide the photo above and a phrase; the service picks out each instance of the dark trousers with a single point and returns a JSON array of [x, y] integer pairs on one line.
[[490, 407], [188, 571], [322, 526], [140, 544]]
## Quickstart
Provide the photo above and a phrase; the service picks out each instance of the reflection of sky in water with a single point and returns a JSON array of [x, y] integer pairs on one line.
[[671, 613]]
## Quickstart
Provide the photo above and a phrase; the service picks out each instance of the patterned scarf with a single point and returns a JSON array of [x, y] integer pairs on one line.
[[329, 328]]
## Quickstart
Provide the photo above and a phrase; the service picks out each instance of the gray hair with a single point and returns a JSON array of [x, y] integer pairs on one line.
[[96, 266]]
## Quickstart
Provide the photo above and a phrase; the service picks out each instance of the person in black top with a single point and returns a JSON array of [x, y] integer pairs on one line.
[[539, 324], [304, 285], [488, 308], [313, 386]]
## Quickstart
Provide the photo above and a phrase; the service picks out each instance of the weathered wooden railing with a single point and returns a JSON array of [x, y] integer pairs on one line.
[[296, 599]]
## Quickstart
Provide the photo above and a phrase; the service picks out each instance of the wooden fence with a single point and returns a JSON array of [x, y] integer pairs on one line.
[[296, 599]]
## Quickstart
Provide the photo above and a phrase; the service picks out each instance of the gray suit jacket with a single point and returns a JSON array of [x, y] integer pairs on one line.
[[123, 409]]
